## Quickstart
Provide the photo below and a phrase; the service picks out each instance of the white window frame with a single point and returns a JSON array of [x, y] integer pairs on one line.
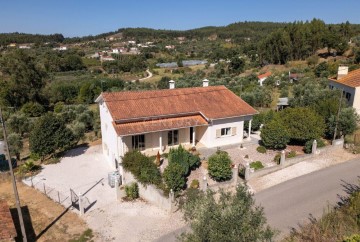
[[225, 132]]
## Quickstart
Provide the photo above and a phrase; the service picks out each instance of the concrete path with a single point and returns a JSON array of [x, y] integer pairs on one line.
[[291, 202]]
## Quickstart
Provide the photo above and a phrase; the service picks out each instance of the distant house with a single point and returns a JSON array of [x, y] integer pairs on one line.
[[106, 58], [283, 103], [61, 48], [294, 77], [349, 83], [263, 77], [24, 47], [7, 231], [170, 47], [157, 120]]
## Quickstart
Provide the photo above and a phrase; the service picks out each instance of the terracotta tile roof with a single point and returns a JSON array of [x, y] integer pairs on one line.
[[214, 102], [148, 126], [352, 79], [264, 75], [7, 228]]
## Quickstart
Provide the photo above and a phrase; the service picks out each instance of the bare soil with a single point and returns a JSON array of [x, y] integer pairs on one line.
[[44, 219]]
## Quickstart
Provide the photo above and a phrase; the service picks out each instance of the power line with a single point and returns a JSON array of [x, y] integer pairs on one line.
[[18, 207]]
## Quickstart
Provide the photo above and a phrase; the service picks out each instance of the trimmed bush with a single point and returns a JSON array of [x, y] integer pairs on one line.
[[274, 135], [308, 145], [187, 160], [194, 184], [256, 165], [142, 167], [132, 191], [174, 177], [220, 166], [261, 149]]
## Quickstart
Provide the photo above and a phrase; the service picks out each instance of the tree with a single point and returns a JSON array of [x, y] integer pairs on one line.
[[220, 166], [347, 122], [174, 177], [23, 81], [302, 124], [49, 135], [163, 83], [32, 109], [19, 123], [231, 217], [15, 144], [236, 65], [274, 135]]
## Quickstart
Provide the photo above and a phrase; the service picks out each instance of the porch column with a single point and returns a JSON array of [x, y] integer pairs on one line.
[[193, 136], [160, 142], [249, 138]]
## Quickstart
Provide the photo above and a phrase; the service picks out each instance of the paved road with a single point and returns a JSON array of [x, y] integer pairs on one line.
[[291, 202]]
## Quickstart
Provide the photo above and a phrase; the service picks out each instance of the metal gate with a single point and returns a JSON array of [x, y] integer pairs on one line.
[[74, 199]]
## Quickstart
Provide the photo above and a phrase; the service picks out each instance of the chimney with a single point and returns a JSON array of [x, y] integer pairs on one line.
[[205, 83], [172, 84], [342, 71]]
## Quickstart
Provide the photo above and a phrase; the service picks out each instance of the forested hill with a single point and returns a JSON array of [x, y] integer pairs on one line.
[[21, 38], [236, 31]]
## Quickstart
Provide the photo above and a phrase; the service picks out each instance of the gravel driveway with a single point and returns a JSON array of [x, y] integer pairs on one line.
[[85, 170]]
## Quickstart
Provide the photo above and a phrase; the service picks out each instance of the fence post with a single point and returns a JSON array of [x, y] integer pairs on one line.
[[81, 205], [235, 174], [204, 184], [117, 188], [282, 158], [314, 146], [58, 196], [247, 171], [44, 188]]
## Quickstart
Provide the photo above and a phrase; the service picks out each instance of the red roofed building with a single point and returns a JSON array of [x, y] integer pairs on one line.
[[263, 77], [7, 228], [157, 120], [349, 83]]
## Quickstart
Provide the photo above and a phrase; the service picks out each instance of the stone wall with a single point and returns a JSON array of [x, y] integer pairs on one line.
[[150, 193]]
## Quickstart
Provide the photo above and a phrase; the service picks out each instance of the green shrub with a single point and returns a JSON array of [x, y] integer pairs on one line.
[[219, 166], [256, 165], [291, 154], [274, 135], [352, 238], [142, 167], [261, 149], [132, 191], [174, 177], [32, 109], [194, 183], [187, 160], [308, 145]]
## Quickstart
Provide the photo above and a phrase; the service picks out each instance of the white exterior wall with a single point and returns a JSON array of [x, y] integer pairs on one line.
[[355, 94], [208, 137], [110, 140]]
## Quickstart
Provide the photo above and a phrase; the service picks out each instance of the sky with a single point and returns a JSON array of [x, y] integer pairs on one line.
[[90, 17]]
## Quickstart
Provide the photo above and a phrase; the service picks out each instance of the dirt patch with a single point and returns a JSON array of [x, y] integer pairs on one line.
[[44, 219]]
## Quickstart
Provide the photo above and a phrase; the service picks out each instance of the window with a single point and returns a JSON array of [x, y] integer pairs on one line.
[[173, 137], [225, 131], [138, 142]]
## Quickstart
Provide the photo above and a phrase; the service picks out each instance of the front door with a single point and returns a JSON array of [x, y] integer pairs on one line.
[[191, 135]]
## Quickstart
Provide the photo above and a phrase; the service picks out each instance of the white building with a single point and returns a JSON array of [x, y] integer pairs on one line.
[[263, 77], [349, 83], [154, 121]]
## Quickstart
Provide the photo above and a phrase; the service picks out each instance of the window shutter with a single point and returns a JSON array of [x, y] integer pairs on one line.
[[233, 131], [218, 133]]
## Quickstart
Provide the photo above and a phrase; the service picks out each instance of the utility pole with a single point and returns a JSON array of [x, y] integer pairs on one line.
[[337, 116], [18, 207]]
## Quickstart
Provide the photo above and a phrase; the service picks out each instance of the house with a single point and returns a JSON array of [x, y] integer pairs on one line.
[[7, 231], [263, 77], [283, 102], [349, 83], [154, 121], [106, 58]]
